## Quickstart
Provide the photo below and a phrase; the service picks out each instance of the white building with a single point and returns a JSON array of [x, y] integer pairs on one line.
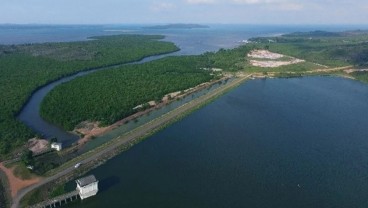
[[57, 146], [87, 186]]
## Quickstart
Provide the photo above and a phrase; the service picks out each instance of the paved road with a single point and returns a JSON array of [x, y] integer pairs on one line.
[[137, 133], [146, 128]]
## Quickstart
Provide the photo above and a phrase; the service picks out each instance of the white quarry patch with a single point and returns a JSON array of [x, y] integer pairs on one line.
[[270, 59], [264, 54]]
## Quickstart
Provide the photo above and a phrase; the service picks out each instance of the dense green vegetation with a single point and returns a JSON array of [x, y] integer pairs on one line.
[[24, 68], [3, 198], [110, 95], [328, 48], [361, 75], [58, 190], [228, 59]]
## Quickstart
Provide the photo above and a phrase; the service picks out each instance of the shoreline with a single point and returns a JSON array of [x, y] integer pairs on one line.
[[99, 155], [99, 131], [122, 142], [85, 71]]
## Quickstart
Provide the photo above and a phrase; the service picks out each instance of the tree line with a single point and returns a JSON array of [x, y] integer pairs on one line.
[[110, 95], [24, 68]]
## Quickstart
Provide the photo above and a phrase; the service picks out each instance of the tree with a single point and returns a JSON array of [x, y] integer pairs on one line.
[[54, 139], [27, 157]]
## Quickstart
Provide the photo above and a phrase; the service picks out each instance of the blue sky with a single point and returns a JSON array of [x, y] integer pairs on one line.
[[184, 11]]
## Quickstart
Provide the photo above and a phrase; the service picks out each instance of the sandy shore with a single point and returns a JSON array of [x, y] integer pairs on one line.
[[16, 184]]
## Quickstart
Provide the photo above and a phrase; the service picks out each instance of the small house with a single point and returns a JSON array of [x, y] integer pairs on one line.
[[57, 146], [87, 186]]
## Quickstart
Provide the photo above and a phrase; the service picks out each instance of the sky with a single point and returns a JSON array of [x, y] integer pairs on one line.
[[184, 11]]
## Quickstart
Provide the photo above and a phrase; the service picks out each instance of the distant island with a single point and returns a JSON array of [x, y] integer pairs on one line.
[[177, 26]]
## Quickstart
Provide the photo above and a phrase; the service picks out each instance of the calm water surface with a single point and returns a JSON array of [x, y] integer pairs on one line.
[[281, 143]]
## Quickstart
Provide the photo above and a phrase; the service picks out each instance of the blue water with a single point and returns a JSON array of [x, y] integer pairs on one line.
[[191, 41], [280, 143], [156, 113]]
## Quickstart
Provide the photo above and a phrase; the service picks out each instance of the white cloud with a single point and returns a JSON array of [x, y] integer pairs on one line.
[[200, 1], [163, 6]]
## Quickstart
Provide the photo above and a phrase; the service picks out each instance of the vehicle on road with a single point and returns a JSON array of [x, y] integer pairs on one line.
[[77, 165]]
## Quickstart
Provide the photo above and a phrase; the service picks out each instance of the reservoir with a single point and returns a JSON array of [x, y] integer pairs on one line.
[[280, 143]]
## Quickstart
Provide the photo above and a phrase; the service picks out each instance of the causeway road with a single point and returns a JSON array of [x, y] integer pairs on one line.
[[132, 135]]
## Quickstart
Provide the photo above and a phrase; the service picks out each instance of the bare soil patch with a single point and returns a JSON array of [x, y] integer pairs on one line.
[[271, 59], [264, 54], [15, 183], [38, 146]]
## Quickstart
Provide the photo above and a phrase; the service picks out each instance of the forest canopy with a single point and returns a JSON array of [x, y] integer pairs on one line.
[[24, 68], [110, 95]]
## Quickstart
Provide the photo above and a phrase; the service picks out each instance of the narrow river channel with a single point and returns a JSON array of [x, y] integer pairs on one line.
[[30, 114]]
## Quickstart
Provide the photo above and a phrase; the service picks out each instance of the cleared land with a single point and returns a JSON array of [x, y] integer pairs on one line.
[[15, 183], [267, 59]]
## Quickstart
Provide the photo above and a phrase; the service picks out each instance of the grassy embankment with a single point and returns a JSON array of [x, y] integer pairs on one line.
[[24, 68]]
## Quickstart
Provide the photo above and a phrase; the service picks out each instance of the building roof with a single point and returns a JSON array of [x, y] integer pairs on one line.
[[56, 144], [86, 180]]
